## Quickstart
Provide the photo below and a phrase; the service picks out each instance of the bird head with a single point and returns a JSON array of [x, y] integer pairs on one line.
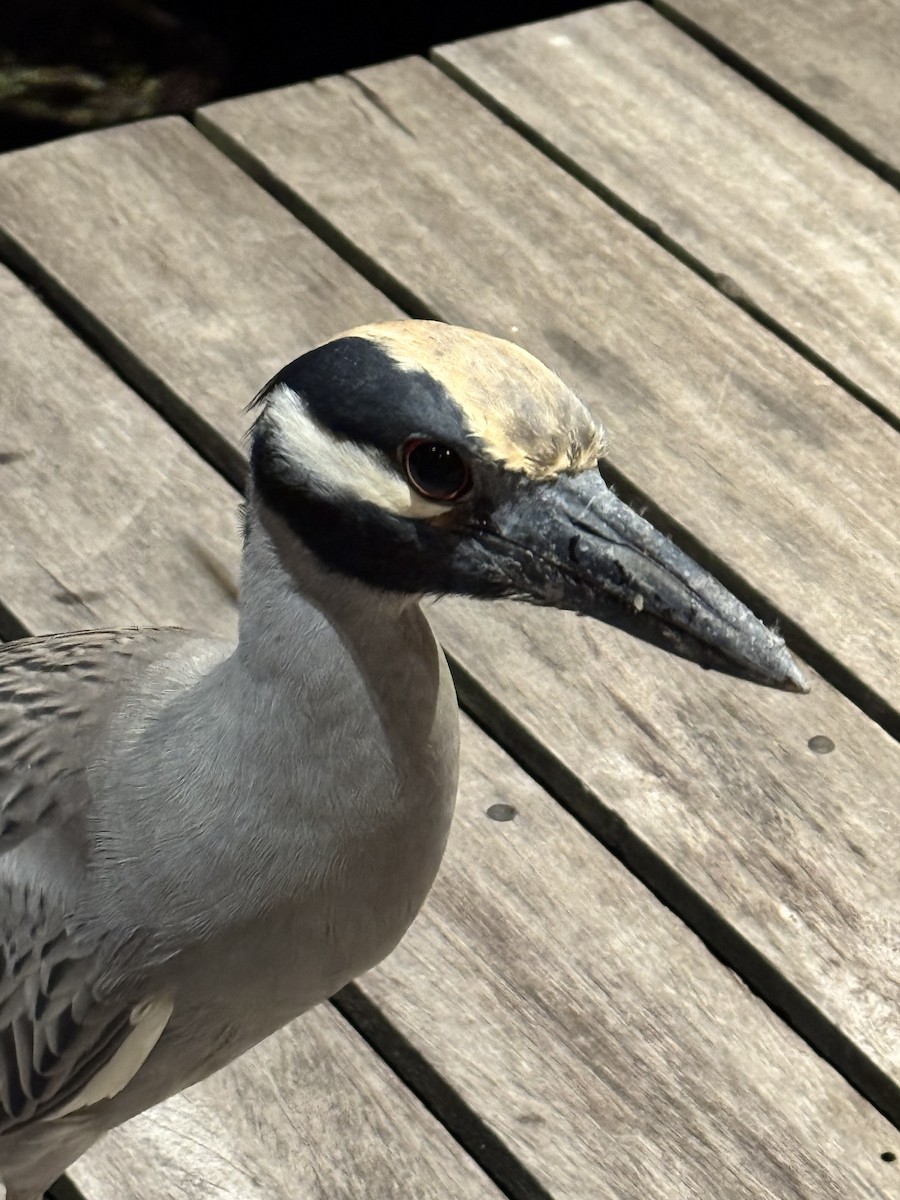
[[422, 458]]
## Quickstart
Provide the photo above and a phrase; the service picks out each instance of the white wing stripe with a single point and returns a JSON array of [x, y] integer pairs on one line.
[[149, 1019]]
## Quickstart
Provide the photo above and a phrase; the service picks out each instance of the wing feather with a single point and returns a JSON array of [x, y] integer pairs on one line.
[[63, 1043], [55, 695], [61, 1046]]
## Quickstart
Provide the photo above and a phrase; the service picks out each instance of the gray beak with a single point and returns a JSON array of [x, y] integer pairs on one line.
[[574, 544]]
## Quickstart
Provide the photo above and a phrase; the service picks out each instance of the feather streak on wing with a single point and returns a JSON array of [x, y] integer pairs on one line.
[[61, 1047], [41, 755], [62, 1044]]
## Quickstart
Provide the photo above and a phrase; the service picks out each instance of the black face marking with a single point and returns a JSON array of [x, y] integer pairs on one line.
[[393, 553], [346, 383], [353, 388]]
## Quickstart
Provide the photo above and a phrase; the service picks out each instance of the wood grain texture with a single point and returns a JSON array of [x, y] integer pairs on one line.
[[109, 519], [309, 1114], [151, 236], [841, 60], [570, 1009], [780, 472], [718, 779], [597, 1038], [789, 222], [736, 810]]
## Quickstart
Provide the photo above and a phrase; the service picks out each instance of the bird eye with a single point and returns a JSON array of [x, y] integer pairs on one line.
[[435, 471]]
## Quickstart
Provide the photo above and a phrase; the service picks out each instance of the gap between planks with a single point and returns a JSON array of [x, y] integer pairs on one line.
[[438, 1096], [202, 436], [65, 1189], [671, 889], [653, 230], [766, 83]]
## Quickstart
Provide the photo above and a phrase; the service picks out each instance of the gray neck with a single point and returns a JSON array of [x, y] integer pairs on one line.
[[298, 619], [330, 733]]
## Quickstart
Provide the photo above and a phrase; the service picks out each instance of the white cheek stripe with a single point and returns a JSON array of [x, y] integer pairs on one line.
[[339, 466]]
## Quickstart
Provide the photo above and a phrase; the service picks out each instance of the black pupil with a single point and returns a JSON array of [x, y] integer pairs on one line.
[[437, 470]]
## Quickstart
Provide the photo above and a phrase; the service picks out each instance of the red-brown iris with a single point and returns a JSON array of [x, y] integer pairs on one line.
[[436, 471]]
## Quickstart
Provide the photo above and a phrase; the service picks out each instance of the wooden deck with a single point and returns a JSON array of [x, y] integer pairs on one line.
[[675, 972]]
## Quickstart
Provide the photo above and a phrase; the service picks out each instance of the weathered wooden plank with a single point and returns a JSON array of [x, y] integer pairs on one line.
[[569, 1008], [78, 487], [597, 1038], [309, 1114], [108, 518], [722, 783], [734, 809], [787, 222], [104, 204], [709, 413], [841, 61]]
